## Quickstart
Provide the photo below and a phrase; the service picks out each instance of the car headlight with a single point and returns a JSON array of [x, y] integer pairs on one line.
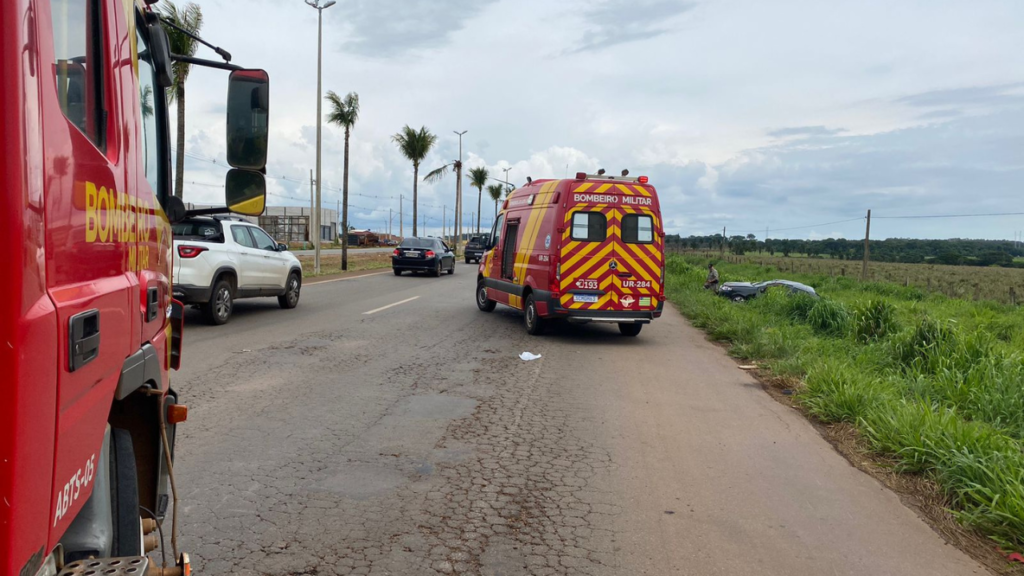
[[725, 289]]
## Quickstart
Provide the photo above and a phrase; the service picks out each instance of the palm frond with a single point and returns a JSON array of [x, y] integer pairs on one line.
[[189, 17], [437, 175], [495, 191], [478, 177], [343, 112], [414, 144]]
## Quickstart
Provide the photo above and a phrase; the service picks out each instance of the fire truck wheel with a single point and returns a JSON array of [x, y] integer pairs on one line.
[[290, 299], [534, 324], [630, 329], [482, 301], [218, 309], [124, 495]]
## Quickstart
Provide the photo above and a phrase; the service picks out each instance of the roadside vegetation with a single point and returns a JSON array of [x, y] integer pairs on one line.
[[1005, 285], [933, 383], [330, 263]]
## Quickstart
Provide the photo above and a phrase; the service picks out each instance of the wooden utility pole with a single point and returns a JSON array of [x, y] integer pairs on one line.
[[401, 223], [867, 250]]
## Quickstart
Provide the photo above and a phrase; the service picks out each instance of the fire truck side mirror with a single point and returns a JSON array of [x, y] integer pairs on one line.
[[160, 50], [245, 192], [248, 119]]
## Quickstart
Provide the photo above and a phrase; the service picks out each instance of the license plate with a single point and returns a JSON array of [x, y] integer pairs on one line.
[[412, 254], [585, 298]]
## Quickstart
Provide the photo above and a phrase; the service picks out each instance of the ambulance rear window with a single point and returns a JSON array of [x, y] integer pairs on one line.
[[589, 226], [637, 229]]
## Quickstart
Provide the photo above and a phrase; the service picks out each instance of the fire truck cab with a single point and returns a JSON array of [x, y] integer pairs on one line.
[[589, 249], [88, 327]]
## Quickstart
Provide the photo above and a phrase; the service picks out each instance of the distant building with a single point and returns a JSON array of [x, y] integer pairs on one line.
[[291, 223]]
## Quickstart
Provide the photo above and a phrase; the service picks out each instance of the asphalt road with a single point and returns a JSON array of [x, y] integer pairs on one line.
[[386, 426]]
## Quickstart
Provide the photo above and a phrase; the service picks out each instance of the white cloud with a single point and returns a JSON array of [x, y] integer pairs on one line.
[[782, 114]]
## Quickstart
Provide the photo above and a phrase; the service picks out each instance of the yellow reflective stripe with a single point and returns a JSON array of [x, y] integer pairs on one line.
[[568, 264], [602, 188], [642, 190], [622, 188], [583, 187], [579, 272]]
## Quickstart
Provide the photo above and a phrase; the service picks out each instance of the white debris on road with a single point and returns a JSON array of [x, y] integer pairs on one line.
[[529, 356]]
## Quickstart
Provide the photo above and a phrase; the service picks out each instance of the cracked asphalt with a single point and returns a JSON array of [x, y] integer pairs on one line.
[[414, 441]]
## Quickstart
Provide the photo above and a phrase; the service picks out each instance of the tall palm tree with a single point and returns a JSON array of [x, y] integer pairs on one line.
[[189, 17], [344, 112], [478, 179], [495, 191], [414, 145]]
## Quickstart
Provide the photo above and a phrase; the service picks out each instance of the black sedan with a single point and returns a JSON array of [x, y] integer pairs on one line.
[[423, 255], [741, 291], [475, 249]]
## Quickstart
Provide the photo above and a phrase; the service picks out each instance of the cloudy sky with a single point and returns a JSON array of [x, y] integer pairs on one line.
[[791, 115]]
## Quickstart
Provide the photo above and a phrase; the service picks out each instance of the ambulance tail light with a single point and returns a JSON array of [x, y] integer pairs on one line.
[[643, 179], [556, 281], [185, 251], [581, 175]]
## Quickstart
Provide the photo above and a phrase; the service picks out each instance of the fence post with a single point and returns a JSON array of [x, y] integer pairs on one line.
[[1013, 296]]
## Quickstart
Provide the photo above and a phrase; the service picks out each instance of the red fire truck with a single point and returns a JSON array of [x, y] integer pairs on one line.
[[589, 249], [88, 328]]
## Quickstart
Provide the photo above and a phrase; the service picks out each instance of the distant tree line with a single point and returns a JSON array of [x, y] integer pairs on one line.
[[955, 252]]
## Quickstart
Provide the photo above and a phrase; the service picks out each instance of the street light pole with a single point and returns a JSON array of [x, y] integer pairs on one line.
[[319, 116], [506, 179]]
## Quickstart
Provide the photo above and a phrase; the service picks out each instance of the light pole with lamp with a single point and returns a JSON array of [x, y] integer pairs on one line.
[[319, 117], [506, 179]]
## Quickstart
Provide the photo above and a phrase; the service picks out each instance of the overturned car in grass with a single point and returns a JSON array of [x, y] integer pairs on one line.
[[743, 291]]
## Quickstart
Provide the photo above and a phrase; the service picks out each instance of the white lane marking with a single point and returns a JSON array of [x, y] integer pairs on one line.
[[315, 283], [390, 306]]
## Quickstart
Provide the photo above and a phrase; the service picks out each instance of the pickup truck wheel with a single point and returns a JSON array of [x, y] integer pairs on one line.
[[290, 298], [534, 324], [124, 495], [630, 329], [397, 272], [218, 309], [468, 259], [482, 301]]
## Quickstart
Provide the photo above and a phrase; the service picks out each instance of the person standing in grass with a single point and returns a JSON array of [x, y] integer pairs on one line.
[[712, 281]]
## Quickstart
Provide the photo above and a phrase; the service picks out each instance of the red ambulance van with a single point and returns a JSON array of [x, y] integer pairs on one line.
[[589, 249]]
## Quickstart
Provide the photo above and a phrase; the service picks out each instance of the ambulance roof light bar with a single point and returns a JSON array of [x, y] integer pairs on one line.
[[602, 176]]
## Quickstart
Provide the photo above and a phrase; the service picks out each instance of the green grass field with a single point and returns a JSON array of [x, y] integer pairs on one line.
[[935, 383], [1005, 285]]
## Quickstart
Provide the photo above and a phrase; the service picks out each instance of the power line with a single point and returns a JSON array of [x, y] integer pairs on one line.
[[952, 215]]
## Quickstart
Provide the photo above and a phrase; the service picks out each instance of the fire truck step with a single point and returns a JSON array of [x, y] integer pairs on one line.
[[127, 566]]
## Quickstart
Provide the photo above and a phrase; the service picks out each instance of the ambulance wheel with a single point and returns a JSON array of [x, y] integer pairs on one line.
[[124, 496], [630, 329], [534, 324], [218, 309], [482, 301]]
